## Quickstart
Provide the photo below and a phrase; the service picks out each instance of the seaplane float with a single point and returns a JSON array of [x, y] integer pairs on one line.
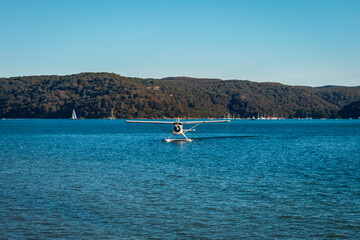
[[178, 127]]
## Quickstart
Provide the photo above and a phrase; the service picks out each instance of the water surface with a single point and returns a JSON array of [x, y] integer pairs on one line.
[[105, 179]]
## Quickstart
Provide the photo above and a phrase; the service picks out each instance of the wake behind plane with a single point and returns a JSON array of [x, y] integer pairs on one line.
[[178, 127]]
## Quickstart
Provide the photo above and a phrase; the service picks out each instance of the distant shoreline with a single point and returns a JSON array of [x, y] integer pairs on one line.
[[180, 118], [101, 95]]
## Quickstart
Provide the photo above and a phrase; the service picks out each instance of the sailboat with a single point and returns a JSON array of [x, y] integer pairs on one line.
[[73, 115], [112, 115]]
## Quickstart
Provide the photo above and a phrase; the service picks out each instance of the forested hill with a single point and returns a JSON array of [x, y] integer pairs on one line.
[[93, 95], [351, 110]]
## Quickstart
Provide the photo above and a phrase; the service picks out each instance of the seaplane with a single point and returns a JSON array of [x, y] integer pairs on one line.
[[178, 127]]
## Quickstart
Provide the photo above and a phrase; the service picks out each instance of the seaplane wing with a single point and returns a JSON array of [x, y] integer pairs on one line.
[[178, 126], [198, 122], [154, 122], [167, 122]]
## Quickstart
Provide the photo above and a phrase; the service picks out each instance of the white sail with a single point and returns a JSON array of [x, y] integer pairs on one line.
[[112, 115], [73, 115]]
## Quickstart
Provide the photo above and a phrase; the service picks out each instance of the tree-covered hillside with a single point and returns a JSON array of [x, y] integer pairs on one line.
[[351, 110], [93, 95]]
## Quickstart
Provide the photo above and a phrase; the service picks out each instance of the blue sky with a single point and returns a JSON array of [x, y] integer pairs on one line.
[[295, 42]]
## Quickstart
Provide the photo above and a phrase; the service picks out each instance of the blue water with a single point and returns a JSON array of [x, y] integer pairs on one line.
[[102, 179]]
